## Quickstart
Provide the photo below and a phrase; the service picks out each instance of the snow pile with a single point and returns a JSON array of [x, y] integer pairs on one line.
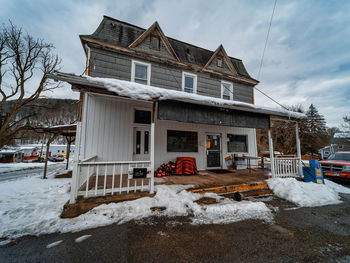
[[146, 92], [32, 206], [229, 211], [306, 194], [337, 187]]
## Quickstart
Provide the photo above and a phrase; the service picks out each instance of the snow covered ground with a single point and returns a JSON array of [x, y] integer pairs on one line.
[[32, 206], [307, 194], [10, 167]]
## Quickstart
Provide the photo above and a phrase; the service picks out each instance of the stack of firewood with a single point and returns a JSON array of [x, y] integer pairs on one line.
[[166, 169]]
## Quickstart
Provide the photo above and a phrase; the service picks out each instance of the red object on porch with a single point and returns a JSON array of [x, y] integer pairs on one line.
[[186, 166]]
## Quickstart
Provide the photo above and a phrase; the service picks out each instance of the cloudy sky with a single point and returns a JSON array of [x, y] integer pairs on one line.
[[307, 59]]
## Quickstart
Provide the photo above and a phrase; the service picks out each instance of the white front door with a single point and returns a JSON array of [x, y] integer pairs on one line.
[[142, 144]]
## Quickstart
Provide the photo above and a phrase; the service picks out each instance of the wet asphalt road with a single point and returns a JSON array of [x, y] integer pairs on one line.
[[29, 172], [320, 234]]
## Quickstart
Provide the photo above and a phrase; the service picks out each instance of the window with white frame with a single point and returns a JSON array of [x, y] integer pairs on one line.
[[226, 90], [189, 82], [141, 72], [237, 143]]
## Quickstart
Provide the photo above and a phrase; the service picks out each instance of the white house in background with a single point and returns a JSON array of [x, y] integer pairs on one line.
[[148, 99]]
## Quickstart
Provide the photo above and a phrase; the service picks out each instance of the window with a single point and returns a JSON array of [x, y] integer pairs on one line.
[[141, 72], [226, 90], [142, 116], [182, 141], [189, 82], [219, 62], [155, 43], [237, 143], [146, 142], [138, 142]]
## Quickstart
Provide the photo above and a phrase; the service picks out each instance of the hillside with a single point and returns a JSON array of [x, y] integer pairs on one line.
[[43, 112]]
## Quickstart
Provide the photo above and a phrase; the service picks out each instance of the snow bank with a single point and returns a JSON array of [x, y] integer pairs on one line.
[[145, 92], [337, 187], [32, 206], [306, 194]]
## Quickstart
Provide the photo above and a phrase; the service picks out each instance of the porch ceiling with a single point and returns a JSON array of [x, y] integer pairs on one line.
[[137, 91]]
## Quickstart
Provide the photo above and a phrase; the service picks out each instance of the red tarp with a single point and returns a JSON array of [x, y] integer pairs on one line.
[[186, 166]]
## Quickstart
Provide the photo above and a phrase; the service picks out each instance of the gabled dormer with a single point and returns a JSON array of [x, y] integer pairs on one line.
[[154, 42], [219, 61]]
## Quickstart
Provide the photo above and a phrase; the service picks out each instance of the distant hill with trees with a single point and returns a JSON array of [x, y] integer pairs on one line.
[[42, 112]]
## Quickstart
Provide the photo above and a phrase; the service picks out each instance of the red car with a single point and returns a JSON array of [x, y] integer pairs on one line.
[[337, 164]]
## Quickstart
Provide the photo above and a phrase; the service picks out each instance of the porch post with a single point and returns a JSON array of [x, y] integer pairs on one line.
[[298, 149], [152, 145], [49, 141], [69, 140], [75, 173], [272, 159]]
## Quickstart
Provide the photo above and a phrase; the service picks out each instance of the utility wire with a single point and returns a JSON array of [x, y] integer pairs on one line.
[[263, 55], [267, 38]]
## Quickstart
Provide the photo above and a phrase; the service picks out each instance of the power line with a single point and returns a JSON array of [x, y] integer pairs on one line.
[[271, 98], [267, 38], [263, 55]]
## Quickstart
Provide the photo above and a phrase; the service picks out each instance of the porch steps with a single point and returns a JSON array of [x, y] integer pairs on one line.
[[237, 191]]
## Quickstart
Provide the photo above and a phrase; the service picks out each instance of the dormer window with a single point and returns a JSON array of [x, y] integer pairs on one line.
[[219, 62], [155, 42]]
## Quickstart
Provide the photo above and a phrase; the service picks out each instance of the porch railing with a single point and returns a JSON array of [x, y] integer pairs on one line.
[[286, 167], [99, 178]]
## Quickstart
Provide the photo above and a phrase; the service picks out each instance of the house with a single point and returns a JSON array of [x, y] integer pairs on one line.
[[10, 155], [148, 98]]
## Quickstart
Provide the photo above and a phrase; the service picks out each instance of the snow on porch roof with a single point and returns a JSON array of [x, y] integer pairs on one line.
[[149, 93]]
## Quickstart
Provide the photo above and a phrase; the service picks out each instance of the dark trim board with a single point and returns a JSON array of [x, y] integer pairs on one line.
[[194, 113]]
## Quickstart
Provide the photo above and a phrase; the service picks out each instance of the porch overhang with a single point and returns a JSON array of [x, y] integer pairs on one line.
[[179, 106], [203, 114]]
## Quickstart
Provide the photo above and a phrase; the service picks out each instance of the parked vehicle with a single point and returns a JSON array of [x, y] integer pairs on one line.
[[337, 164], [56, 158]]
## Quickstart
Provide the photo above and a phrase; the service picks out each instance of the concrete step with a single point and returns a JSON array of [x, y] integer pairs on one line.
[[231, 188]]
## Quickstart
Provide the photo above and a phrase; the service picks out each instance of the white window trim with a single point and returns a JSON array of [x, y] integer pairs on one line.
[[222, 89], [246, 135], [133, 63], [194, 82]]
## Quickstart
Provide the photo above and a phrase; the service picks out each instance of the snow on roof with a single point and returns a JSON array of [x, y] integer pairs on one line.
[[9, 150], [145, 92], [342, 135]]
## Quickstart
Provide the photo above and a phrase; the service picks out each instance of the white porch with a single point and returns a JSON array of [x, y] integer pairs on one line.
[[108, 147]]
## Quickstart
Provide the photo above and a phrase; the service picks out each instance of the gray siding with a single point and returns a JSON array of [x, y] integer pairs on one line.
[[108, 64]]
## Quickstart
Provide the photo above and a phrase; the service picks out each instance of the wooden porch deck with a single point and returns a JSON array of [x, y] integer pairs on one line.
[[210, 179], [203, 179]]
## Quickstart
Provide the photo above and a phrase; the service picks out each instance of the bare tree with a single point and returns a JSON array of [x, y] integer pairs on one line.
[[25, 63]]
